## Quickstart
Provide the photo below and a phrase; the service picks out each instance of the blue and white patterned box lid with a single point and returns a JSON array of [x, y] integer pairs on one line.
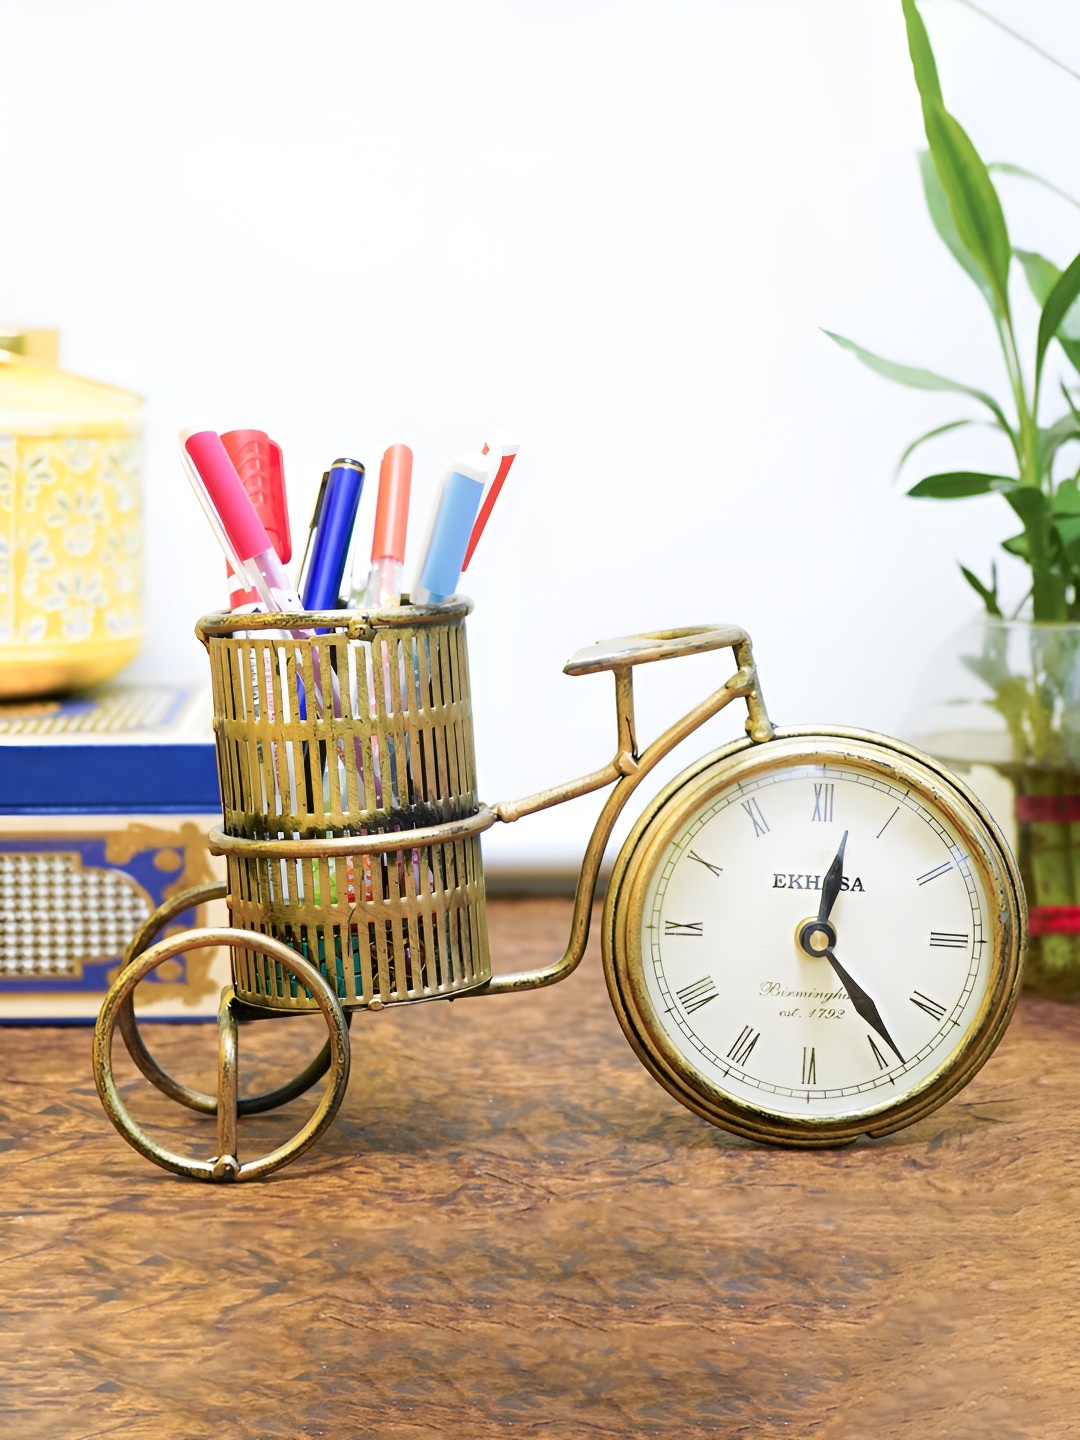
[[121, 748]]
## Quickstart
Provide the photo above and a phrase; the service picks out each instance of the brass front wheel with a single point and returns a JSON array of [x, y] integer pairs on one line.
[[224, 1166]]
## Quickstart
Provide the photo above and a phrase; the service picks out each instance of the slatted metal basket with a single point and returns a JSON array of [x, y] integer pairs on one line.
[[329, 744]]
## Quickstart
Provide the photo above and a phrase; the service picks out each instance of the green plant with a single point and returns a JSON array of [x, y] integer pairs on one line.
[[967, 214]]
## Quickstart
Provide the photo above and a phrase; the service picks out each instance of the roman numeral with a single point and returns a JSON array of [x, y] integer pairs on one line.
[[932, 1008], [948, 940], [692, 997], [823, 802], [809, 1066], [753, 809], [684, 927], [883, 1064], [933, 874], [741, 1050], [716, 869]]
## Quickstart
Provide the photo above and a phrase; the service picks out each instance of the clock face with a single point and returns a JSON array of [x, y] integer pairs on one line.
[[815, 939]]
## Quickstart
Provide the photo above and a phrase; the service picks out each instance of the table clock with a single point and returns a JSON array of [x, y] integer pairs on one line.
[[815, 936]]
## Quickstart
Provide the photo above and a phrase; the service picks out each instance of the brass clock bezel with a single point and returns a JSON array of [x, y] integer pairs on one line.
[[675, 806]]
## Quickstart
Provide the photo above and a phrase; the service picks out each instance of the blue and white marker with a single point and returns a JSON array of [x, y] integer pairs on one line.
[[451, 527]]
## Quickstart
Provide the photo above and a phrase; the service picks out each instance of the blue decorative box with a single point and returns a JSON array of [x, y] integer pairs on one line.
[[105, 801]]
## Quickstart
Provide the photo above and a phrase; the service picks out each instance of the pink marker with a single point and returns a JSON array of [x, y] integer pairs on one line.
[[234, 519], [247, 546], [507, 449]]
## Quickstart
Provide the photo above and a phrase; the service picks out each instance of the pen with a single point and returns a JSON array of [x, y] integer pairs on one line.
[[234, 519], [301, 574], [333, 531], [451, 525], [260, 466], [242, 535], [391, 523], [506, 448]]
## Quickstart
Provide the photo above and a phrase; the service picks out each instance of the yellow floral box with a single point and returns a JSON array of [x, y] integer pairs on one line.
[[71, 530], [105, 802]]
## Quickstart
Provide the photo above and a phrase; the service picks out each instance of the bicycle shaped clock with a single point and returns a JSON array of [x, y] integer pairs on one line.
[[809, 935]]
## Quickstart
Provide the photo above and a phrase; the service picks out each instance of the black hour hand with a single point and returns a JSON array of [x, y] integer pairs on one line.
[[863, 1004]]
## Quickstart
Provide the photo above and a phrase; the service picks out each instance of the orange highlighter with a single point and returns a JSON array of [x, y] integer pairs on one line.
[[391, 523]]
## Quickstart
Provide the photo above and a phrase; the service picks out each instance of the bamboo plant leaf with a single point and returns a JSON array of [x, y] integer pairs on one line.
[[1058, 304], [987, 594], [1030, 504], [1054, 436], [976, 209], [1042, 275], [930, 435], [969, 190], [1071, 348], [1017, 545], [1067, 498], [1002, 167], [941, 215], [919, 379], [959, 484], [922, 56]]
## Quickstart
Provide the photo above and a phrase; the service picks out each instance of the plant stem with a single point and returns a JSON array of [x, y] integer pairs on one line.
[[1016, 613], [1029, 438]]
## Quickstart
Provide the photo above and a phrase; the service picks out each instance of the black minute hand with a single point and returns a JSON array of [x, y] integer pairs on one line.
[[833, 879], [863, 1004]]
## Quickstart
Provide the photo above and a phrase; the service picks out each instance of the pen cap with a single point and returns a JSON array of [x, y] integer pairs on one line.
[[237, 514], [392, 508], [440, 568], [260, 465]]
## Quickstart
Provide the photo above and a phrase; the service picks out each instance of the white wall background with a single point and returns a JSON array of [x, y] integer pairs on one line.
[[612, 225]]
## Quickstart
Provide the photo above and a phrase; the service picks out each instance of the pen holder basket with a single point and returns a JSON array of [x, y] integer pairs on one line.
[[360, 729]]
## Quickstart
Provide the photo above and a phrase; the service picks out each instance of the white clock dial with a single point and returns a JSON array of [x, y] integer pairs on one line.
[[788, 1013]]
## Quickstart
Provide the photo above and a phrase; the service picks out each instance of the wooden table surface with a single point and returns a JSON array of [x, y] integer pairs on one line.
[[512, 1230]]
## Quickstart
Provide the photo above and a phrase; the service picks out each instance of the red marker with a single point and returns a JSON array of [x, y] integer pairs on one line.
[[259, 464], [507, 449]]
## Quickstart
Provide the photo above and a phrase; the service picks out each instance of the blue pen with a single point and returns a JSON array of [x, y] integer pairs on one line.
[[451, 527], [337, 515]]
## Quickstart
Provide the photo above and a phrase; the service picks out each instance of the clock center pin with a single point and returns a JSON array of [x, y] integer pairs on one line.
[[815, 936]]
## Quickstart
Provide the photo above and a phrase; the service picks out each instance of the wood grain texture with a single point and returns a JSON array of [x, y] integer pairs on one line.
[[511, 1230]]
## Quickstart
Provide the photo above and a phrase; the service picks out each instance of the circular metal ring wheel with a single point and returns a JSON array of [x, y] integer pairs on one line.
[[160, 1078], [226, 1165]]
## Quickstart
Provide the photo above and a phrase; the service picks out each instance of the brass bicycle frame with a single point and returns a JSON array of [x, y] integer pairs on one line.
[[625, 772]]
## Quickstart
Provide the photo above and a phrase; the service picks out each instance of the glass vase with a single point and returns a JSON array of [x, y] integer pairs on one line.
[[1002, 707]]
